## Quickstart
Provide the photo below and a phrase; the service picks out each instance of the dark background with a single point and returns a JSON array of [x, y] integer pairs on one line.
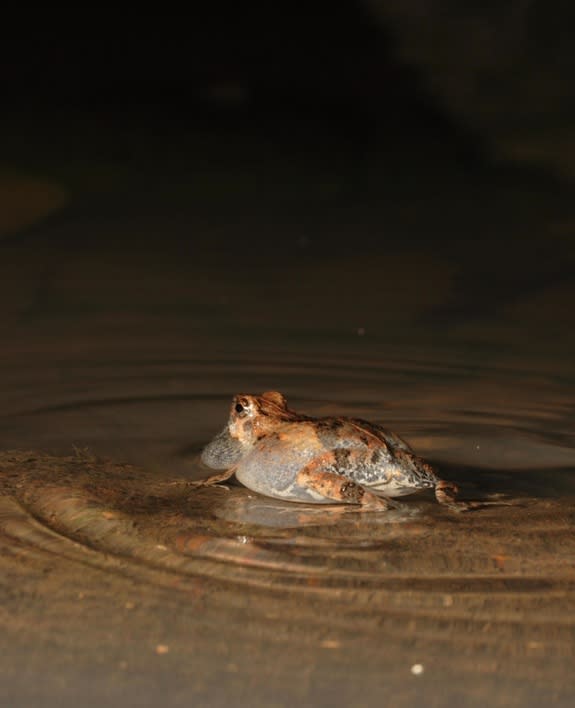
[[292, 134]]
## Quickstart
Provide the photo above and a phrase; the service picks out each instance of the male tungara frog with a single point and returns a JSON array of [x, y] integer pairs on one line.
[[277, 452]]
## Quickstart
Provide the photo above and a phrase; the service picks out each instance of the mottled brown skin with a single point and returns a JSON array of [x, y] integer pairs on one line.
[[280, 453]]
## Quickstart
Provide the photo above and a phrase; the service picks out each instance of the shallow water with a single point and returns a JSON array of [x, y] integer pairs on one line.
[[158, 413], [483, 601], [121, 584]]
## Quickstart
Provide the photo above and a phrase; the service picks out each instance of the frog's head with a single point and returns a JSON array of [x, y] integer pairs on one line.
[[251, 418]]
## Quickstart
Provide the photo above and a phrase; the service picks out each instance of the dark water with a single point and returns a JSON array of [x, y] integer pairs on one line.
[[134, 314]]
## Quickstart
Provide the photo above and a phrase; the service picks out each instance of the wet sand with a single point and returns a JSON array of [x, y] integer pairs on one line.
[[431, 298], [136, 586]]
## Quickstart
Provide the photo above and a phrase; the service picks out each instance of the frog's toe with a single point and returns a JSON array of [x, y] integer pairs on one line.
[[372, 502], [446, 492], [214, 479]]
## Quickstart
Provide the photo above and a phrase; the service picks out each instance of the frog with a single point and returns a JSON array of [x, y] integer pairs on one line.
[[280, 453]]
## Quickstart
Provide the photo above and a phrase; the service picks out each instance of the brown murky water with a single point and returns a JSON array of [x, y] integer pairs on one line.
[[119, 585]]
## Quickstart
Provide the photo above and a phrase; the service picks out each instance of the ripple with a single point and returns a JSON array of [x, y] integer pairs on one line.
[[420, 582], [154, 413], [500, 580], [100, 513]]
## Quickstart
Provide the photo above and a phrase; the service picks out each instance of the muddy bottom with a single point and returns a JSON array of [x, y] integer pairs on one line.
[[133, 577]]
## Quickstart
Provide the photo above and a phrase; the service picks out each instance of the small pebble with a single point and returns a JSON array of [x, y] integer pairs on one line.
[[417, 669], [162, 649]]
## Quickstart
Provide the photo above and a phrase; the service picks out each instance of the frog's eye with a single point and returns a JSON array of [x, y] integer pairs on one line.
[[242, 408]]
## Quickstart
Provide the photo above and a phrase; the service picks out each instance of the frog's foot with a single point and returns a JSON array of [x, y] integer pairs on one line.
[[446, 492], [214, 479], [337, 488]]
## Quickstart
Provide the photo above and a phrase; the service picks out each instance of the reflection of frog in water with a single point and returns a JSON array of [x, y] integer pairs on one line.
[[280, 453]]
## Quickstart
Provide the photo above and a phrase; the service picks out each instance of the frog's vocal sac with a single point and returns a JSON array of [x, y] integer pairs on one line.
[[279, 453]]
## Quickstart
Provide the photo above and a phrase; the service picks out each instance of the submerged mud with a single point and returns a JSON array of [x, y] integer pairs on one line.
[[482, 602]]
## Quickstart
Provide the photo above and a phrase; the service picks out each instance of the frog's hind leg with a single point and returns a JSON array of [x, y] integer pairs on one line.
[[316, 477]]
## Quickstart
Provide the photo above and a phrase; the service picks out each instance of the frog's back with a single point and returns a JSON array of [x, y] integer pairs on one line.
[[355, 433]]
